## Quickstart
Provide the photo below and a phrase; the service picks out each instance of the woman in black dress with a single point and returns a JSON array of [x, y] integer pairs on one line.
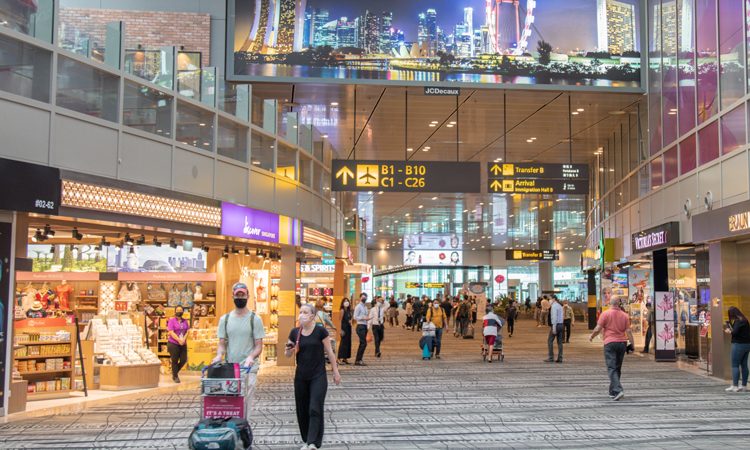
[[345, 333], [310, 379]]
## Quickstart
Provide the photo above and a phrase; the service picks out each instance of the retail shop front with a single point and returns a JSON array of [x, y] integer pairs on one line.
[[726, 235], [97, 278]]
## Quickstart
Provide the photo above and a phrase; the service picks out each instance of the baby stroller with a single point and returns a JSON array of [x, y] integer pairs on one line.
[[493, 348], [427, 342]]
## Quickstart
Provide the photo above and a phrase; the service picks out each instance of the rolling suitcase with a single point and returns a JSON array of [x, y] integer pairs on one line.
[[221, 434], [469, 332]]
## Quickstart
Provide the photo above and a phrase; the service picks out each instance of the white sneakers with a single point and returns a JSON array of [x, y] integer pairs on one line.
[[736, 388], [309, 447], [619, 396]]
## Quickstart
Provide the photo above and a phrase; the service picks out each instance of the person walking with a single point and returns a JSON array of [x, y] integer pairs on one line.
[[568, 319], [345, 333], [555, 331], [177, 327], [650, 319], [538, 312], [241, 334], [739, 328], [436, 315], [463, 316], [528, 304], [393, 312], [409, 311], [309, 343], [447, 308], [361, 317], [377, 323], [614, 324], [510, 317], [417, 314], [473, 311], [545, 310]]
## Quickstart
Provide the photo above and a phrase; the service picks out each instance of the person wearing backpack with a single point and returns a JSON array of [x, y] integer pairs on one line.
[[510, 317], [436, 316], [241, 336]]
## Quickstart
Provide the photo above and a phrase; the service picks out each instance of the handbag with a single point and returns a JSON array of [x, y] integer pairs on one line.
[[156, 294], [369, 337], [174, 296], [186, 296]]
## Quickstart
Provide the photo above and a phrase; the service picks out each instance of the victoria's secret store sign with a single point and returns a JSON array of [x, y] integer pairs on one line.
[[656, 238]]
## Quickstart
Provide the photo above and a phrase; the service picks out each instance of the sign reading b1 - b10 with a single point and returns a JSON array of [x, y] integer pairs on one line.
[[405, 176]]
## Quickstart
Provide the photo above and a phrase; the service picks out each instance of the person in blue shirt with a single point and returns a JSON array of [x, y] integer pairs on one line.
[[556, 331]]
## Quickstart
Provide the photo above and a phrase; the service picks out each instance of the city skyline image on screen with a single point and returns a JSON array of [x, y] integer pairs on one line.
[[585, 43]]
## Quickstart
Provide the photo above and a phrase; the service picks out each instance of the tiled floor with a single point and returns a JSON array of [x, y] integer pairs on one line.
[[402, 402]]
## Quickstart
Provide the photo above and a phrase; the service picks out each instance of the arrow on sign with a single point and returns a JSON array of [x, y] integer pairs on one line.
[[495, 186], [345, 173], [496, 170]]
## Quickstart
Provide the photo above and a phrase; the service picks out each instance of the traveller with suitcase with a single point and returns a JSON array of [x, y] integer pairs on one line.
[[427, 343]]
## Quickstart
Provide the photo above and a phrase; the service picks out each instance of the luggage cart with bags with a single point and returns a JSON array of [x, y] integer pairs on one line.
[[223, 424]]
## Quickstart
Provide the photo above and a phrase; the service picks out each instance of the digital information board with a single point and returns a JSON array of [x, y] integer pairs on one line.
[[531, 255], [405, 176], [530, 178]]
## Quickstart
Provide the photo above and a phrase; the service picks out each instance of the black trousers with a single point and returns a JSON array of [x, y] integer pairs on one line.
[[649, 335], [567, 323], [309, 398], [555, 334], [362, 335], [511, 326], [378, 333], [178, 355]]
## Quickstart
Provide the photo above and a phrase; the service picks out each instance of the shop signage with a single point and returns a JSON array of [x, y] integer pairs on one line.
[[441, 91], [243, 222], [656, 238], [317, 268], [413, 285], [530, 178], [726, 222], [29, 187], [405, 176], [532, 255]]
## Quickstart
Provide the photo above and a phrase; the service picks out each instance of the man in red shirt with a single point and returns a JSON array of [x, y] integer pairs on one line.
[[614, 324]]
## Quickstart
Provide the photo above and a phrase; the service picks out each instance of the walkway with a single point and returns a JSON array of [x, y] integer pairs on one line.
[[401, 402]]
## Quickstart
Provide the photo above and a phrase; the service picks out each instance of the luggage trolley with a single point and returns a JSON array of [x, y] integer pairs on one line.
[[224, 397], [496, 352]]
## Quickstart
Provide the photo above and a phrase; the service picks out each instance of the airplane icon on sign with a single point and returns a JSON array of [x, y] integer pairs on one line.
[[365, 177]]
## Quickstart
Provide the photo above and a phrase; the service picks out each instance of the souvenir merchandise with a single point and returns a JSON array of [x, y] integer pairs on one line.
[[28, 296], [186, 296], [120, 341], [63, 292], [36, 311], [156, 293], [129, 293], [173, 299], [198, 294]]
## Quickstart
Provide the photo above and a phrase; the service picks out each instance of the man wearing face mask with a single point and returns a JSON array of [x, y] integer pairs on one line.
[[361, 316], [436, 315], [241, 336], [377, 322]]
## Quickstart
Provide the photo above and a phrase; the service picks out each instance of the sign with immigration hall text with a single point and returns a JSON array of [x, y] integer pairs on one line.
[[405, 176], [656, 238], [535, 186], [531, 255]]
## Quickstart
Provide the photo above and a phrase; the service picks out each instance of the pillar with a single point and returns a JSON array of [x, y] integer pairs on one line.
[[546, 268], [725, 291], [591, 297], [660, 270], [287, 304], [340, 288]]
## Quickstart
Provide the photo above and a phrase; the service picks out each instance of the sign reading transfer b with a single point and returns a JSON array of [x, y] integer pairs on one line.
[[533, 178], [405, 176]]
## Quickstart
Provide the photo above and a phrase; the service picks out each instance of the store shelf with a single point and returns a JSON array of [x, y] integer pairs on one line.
[[163, 355], [66, 355], [87, 296], [43, 343], [87, 308], [42, 372], [204, 301], [48, 395]]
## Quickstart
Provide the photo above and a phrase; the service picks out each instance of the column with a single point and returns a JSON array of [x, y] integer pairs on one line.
[[591, 297], [340, 288], [287, 305], [725, 290], [546, 232], [660, 270]]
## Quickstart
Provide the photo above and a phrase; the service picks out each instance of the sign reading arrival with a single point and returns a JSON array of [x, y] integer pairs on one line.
[[656, 238], [405, 176]]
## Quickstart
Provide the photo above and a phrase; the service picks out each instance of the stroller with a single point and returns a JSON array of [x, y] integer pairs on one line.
[[427, 342]]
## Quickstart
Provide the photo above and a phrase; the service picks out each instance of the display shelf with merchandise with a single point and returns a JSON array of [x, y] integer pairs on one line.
[[44, 355]]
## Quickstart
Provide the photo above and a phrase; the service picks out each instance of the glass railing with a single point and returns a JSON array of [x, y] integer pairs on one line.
[[32, 17]]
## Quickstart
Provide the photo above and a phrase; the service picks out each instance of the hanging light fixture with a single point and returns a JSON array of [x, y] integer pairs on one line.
[[173, 243], [247, 251], [128, 240], [225, 253], [141, 240], [76, 235], [49, 232], [156, 242]]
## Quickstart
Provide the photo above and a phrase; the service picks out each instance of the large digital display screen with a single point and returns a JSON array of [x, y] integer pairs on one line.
[[568, 43], [433, 257], [432, 241]]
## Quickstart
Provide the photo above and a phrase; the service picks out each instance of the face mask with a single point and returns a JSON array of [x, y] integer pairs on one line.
[[240, 302], [178, 314], [436, 305], [346, 303]]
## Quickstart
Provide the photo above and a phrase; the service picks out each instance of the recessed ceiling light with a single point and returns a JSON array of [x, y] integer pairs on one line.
[[324, 136], [421, 206], [334, 103], [579, 109], [432, 125], [409, 149], [407, 214], [426, 149], [575, 113], [449, 126], [452, 122], [434, 198], [435, 122]]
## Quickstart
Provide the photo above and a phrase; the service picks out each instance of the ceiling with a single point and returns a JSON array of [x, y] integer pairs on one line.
[[492, 124]]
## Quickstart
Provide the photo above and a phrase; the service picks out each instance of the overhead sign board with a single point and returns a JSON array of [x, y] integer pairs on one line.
[[413, 285], [531, 178], [249, 223], [29, 187], [532, 186], [433, 257], [405, 176], [433, 241], [441, 91], [656, 238], [531, 255]]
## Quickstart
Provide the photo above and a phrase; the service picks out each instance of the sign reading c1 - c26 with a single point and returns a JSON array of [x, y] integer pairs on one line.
[[405, 176]]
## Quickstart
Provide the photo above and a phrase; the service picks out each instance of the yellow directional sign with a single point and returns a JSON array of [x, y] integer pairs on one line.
[[509, 186], [495, 169], [508, 170], [345, 173], [495, 186]]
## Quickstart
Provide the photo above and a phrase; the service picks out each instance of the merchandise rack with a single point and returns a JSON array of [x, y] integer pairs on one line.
[[47, 375]]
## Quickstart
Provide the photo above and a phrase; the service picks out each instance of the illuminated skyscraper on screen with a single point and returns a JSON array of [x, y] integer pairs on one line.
[[615, 22]]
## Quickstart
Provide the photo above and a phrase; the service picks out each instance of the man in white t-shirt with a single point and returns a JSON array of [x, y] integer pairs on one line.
[[241, 336]]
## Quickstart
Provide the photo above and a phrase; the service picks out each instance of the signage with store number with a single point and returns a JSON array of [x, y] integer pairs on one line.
[[29, 187], [405, 176]]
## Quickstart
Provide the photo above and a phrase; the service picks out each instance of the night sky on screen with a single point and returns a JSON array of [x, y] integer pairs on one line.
[[566, 24]]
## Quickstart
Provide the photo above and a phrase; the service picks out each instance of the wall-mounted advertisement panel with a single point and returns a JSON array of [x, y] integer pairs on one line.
[[433, 257], [140, 258], [570, 44], [432, 242]]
